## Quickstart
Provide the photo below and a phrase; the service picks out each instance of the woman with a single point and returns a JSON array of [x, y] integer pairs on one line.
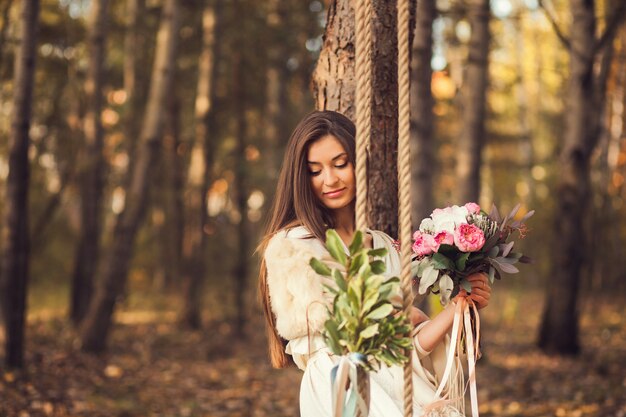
[[316, 191]]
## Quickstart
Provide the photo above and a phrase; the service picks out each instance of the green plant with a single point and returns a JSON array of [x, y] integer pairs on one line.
[[362, 318]]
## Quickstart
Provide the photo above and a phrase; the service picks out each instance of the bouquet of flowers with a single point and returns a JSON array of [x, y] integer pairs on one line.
[[455, 242]]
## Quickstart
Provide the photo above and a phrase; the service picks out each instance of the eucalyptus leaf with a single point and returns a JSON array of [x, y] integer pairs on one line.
[[378, 267], [494, 252], [376, 253], [335, 246], [492, 273], [340, 280], [320, 267], [507, 248], [380, 312], [370, 331], [357, 243], [494, 214], [508, 268]]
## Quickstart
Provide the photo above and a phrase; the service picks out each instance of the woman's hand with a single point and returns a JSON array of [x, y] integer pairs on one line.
[[481, 291]]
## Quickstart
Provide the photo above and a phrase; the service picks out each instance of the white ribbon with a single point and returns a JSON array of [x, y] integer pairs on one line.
[[344, 387]]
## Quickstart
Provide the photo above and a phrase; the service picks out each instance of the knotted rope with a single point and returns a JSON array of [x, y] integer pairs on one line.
[[363, 105], [404, 184]]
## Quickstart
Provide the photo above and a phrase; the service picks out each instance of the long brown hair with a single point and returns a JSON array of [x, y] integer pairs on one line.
[[295, 204]]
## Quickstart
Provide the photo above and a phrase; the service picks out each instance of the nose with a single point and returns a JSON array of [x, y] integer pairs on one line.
[[330, 178]]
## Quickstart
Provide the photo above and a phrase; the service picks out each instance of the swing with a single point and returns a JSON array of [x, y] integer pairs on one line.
[[363, 11]]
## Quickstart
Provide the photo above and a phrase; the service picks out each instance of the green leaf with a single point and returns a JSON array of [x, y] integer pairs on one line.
[[460, 263], [440, 261], [357, 243], [369, 331], [378, 267], [330, 289], [340, 280], [494, 252], [335, 246], [445, 249], [466, 285], [492, 273], [377, 253], [356, 262], [320, 267], [380, 312]]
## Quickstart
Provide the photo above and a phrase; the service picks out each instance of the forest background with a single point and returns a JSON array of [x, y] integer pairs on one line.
[[140, 143]]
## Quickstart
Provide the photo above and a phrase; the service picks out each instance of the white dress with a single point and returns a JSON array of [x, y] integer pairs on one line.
[[299, 303]]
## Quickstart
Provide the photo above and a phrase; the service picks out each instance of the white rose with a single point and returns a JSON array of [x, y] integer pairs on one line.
[[427, 225], [449, 218]]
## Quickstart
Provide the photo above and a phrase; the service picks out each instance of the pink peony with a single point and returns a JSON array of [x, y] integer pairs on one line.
[[469, 238], [473, 208], [444, 238], [424, 244]]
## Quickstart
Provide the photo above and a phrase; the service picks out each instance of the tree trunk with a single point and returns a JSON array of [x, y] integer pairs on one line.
[[172, 195], [474, 92], [334, 87], [422, 136], [95, 327], [559, 326], [92, 168], [15, 236], [132, 84], [240, 186], [200, 169]]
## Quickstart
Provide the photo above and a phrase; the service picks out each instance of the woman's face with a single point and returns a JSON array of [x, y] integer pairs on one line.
[[331, 173]]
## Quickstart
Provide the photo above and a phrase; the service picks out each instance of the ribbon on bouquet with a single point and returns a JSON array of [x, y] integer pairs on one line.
[[462, 324], [346, 399]]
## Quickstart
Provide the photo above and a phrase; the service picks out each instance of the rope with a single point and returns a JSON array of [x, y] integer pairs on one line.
[[363, 117], [404, 183], [363, 105]]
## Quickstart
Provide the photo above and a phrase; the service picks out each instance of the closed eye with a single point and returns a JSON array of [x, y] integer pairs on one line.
[[315, 173]]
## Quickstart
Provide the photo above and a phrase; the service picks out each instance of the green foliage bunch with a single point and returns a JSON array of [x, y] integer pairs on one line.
[[362, 316]]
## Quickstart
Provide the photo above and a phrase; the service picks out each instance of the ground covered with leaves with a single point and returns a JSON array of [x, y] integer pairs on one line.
[[153, 368]]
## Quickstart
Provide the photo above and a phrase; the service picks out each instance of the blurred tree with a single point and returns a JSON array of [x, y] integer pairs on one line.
[[240, 181], [92, 167], [96, 324], [585, 101], [422, 137], [334, 89], [474, 91], [201, 164], [15, 234], [133, 54]]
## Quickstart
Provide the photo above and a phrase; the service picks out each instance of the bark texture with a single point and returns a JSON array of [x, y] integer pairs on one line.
[[334, 88], [422, 135], [96, 325], [474, 93], [15, 232], [92, 168]]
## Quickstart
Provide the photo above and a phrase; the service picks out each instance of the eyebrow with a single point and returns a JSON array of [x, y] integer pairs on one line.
[[335, 158]]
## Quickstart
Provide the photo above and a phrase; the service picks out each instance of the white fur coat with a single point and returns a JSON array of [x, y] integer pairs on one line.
[[296, 290]]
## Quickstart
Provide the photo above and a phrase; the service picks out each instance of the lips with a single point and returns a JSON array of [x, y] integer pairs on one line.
[[334, 193]]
